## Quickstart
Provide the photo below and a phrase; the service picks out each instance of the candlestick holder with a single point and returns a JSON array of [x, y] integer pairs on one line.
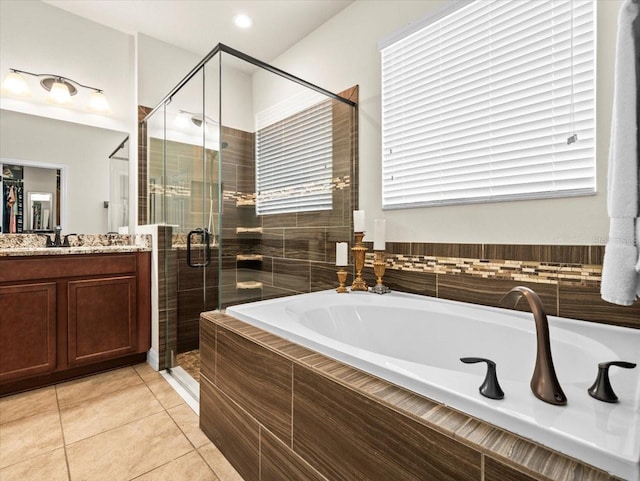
[[378, 269], [342, 277], [359, 251]]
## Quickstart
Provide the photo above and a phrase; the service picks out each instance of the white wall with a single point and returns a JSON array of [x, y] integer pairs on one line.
[[161, 66], [237, 94], [40, 38], [343, 52], [82, 150]]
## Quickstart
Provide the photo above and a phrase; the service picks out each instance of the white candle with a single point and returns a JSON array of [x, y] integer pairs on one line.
[[358, 221], [341, 254], [379, 234]]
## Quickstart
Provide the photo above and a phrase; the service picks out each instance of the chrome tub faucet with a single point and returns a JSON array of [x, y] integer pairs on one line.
[[544, 382]]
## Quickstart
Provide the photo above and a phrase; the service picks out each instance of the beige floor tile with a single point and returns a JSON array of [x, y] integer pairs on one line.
[[189, 467], [82, 420], [27, 404], [28, 437], [89, 387], [189, 422], [147, 373], [127, 451], [167, 396], [223, 468], [51, 466]]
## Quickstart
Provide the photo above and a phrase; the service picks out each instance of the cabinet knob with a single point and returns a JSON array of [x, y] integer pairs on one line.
[[490, 387], [601, 388]]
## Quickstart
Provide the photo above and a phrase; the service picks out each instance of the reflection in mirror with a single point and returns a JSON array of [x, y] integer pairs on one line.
[[31, 198], [77, 157], [119, 188], [40, 209]]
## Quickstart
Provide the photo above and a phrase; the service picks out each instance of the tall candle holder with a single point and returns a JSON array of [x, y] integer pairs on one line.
[[342, 277], [378, 269], [359, 251]]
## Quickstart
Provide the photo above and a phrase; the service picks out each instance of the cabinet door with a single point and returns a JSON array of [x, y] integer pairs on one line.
[[102, 319], [27, 330]]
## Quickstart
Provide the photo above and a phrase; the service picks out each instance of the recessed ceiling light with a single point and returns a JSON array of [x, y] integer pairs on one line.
[[243, 21]]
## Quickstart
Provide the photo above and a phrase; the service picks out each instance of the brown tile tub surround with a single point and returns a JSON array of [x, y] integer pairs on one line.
[[566, 277], [292, 414]]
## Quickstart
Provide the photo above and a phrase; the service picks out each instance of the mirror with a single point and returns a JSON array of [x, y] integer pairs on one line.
[[40, 211], [79, 156], [119, 188]]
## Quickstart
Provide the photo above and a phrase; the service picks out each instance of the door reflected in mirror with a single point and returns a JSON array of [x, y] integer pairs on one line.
[[40, 210]]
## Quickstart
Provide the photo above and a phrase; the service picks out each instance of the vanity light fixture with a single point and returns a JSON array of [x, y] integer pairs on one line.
[[60, 89], [15, 84]]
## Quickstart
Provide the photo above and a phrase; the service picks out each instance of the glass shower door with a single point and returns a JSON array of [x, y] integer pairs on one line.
[[183, 198]]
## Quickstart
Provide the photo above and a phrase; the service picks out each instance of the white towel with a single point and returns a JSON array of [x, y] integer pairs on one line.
[[621, 267], [620, 280]]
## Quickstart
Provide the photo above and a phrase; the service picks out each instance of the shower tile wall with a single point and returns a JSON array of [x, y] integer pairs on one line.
[[293, 253], [143, 189], [167, 288]]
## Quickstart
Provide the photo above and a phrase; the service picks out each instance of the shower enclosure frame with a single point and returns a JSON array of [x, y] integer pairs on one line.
[[168, 357]]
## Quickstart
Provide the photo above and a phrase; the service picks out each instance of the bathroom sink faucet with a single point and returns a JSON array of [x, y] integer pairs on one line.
[[544, 382], [57, 240]]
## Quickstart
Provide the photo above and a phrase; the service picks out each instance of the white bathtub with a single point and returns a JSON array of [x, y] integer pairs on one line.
[[417, 342]]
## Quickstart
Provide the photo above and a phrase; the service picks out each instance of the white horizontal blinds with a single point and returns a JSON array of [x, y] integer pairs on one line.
[[478, 105], [294, 161]]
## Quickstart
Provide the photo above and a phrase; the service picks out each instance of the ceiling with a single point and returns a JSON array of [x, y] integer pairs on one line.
[[199, 25]]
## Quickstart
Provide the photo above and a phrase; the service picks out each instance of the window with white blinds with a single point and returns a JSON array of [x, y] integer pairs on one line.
[[294, 160], [494, 101]]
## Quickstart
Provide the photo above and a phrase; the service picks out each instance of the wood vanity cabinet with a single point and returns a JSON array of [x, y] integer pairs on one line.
[[63, 316]]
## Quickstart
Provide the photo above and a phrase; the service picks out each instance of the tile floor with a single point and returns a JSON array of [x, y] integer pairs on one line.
[[190, 362], [124, 424]]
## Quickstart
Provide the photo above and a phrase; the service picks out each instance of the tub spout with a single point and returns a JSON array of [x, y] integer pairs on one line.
[[544, 382]]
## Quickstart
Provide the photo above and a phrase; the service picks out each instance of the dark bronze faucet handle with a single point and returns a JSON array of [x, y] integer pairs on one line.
[[490, 387], [601, 388], [65, 243], [48, 238]]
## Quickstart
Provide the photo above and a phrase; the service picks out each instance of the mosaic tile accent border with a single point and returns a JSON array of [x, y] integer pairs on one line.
[[525, 271], [249, 198]]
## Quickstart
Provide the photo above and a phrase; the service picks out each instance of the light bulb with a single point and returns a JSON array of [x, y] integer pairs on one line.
[[98, 102], [182, 120], [15, 84], [242, 21], [59, 93]]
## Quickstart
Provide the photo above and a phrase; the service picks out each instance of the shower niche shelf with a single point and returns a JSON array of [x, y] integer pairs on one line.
[[246, 285], [249, 257], [248, 230]]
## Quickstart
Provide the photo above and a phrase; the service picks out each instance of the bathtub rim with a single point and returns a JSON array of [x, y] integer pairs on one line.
[[619, 466], [513, 450]]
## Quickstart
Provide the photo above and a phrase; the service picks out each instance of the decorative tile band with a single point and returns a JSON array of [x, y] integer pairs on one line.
[[525, 271], [249, 198]]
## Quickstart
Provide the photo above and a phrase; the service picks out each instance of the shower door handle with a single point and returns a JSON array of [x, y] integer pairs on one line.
[[204, 233]]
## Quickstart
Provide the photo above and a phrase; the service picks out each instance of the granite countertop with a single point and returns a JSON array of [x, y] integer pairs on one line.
[[13, 245]]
